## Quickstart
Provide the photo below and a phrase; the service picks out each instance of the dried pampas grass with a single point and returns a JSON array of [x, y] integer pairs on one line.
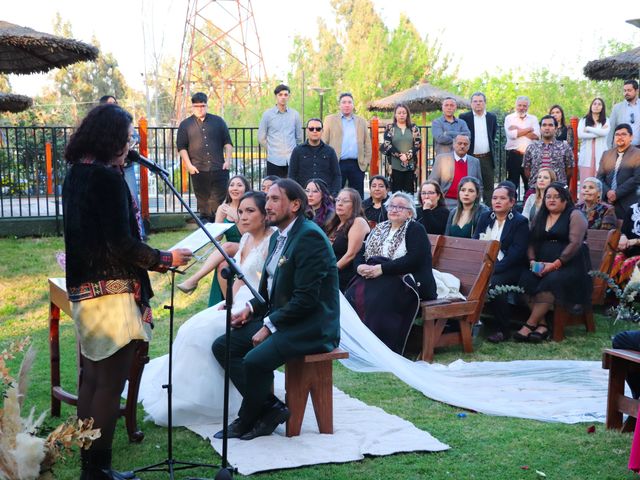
[[24, 455]]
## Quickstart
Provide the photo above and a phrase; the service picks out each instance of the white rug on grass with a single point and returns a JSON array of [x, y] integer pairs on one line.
[[359, 430]]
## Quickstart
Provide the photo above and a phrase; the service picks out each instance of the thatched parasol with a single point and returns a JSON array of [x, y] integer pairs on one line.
[[10, 102], [23, 50], [624, 66], [421, 98]]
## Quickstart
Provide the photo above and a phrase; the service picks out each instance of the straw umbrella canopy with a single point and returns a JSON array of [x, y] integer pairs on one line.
[[624, 66], [23, 50], [10, 102], [421, 98]]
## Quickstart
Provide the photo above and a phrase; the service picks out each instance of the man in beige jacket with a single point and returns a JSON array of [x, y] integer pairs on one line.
[[348, 134]]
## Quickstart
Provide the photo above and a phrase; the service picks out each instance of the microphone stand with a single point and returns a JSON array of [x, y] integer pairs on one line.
[[230, 272]]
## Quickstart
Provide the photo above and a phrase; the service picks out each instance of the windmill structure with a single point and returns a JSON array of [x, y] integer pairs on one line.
[[221, 56]]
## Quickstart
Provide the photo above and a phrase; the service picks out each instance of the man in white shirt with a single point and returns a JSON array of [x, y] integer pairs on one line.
[[522, 129], [279, 132], [483, 126], [627, 111]]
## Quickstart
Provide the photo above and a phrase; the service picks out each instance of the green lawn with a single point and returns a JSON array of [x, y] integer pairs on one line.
[[482, 447]]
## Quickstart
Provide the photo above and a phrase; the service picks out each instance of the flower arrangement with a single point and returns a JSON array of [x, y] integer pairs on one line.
[[23, 454], [628, 307]]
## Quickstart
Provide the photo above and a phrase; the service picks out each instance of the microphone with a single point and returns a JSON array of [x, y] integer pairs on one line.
[[134, 156]]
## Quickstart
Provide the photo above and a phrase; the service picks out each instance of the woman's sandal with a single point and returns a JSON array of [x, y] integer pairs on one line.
[[539, 337], [518, 337]]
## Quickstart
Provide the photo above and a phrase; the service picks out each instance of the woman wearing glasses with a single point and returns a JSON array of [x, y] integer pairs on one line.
[[434, 214], [394, 274], [320, 201], [346, 231], [401, 145], [559, 262]]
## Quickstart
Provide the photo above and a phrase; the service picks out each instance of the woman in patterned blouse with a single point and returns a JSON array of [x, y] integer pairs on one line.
[[600, 215], [401, 146]]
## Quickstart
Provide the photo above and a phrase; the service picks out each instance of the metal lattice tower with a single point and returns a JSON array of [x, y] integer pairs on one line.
[[221, 56]]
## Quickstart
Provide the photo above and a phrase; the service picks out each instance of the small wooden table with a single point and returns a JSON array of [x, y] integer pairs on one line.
[[58, 300]]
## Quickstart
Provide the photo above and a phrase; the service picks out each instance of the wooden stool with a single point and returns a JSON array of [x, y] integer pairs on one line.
[[58, 300], [311, 374]]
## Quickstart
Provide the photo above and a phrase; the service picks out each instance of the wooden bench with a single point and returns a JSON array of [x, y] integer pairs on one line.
[[472, 262], [619, 363], [58, 300], [311, 374], [602, 250]]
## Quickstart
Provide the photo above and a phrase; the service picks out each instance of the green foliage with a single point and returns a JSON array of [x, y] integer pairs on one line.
[[482, 446], [362, 56]]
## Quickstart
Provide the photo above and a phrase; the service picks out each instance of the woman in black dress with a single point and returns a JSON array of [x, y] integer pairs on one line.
[[373, 206], [347, 231], [434, 214], [559, 260]]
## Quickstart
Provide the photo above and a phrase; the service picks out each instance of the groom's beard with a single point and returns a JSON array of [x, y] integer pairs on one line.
[[281, 222]]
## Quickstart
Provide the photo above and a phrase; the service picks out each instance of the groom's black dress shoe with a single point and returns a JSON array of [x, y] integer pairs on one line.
[[236, 429], [277, 414]]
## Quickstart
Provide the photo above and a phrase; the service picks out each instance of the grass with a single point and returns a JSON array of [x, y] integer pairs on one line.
[[482, 447]]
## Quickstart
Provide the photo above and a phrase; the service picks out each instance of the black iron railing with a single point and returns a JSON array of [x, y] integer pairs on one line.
[[32, 167]]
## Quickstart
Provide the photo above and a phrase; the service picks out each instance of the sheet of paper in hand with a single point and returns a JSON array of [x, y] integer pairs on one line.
[[198, 240]]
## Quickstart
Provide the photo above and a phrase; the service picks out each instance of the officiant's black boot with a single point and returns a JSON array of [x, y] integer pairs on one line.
[[96, 465]]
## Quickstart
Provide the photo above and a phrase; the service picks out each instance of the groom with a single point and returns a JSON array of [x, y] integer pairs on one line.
[[300, 284]]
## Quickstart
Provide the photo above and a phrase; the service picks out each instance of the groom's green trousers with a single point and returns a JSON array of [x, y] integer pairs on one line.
[[251, 368]]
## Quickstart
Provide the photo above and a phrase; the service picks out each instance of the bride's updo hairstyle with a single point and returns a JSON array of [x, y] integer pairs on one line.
[[259, 198]]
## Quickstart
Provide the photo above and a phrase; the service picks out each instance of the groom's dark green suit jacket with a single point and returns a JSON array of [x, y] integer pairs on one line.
[[304, 302]]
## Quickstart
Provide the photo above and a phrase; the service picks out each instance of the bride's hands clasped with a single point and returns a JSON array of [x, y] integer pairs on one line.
[[240, 318]]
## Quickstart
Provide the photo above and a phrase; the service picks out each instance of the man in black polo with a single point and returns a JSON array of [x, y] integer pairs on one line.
[[205, 147], [315, 159]]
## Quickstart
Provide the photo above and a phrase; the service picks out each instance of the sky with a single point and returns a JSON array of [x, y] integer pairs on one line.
[[482, 36]]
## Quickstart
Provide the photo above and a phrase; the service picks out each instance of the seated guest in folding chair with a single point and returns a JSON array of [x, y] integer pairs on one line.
[[511, 228], [394, 274]]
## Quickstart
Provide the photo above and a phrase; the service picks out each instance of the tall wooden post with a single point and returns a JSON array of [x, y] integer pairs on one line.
[[144, 174], [573, 183], [48, 157], [374, 169]]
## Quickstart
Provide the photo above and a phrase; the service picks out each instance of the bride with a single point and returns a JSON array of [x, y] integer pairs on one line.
[[197, 376]]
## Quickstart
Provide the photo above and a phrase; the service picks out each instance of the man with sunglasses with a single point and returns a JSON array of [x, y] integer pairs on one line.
[[627, 111], [315, 159]]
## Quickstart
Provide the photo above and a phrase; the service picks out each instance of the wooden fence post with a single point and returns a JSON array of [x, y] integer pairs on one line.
[[48, 157], [375, 147], [573, 183], [144, 174]]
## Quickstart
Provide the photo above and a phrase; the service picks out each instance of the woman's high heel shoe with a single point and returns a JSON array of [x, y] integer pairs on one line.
[[519, 337], [185, 289], [538, 336]]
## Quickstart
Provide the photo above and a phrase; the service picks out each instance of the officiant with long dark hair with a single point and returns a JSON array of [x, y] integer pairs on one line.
[[106, 272]]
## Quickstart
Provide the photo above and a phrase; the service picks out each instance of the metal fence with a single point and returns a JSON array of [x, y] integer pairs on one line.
[[32, 167]]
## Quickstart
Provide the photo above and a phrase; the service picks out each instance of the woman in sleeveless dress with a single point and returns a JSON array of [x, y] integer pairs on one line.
[[197, 376], [226, 213]]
